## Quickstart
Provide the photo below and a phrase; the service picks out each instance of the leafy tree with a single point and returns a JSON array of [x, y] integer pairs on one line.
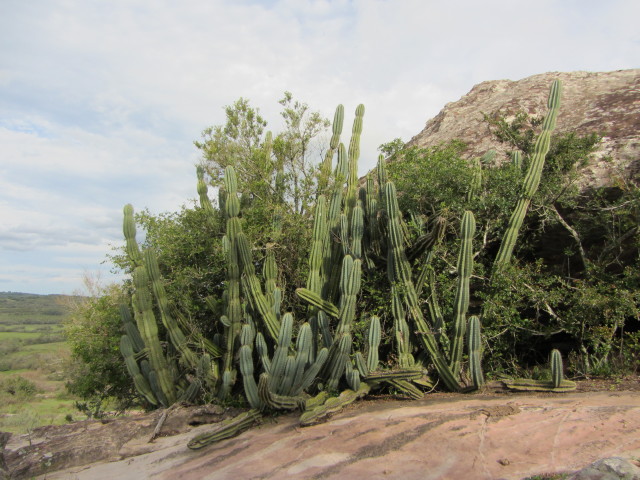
[[278, 175], [295, 149], [96, 372]]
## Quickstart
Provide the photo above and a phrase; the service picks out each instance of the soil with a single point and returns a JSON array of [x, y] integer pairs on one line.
[[493, 434]]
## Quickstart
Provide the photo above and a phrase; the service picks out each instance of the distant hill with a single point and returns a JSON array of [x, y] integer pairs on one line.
[[30, 308]]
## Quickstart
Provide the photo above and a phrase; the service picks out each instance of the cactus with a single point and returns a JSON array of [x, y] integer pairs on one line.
[[175, 333], [246, 368], [556, 385], [320, 411], [227, 429], [475, 355], [139, 380], [407, 388], [402, 272], [205, 203], [325, 169], [461, 302], [556, 368], [145, 317], [516, 159], [129, 230], [130, 329], [531, 181], [354, 154], [528, 385], [373, 339]]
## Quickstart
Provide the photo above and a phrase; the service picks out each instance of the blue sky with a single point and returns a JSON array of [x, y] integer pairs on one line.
[[100, 102]]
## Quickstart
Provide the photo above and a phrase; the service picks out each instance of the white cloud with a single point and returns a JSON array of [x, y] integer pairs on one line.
[[100, 102]]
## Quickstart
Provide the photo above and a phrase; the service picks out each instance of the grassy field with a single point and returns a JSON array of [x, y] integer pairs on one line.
[[32, 359]]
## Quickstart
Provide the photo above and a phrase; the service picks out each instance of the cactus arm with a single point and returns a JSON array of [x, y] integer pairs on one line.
[[148, 327], [461, 303], [227, 429], [402, 271], [556, 368], [475, 353], [318, 302], [531, 181], [373, 338], [140, 382], [129, 230], [175, 333], [332, 405]]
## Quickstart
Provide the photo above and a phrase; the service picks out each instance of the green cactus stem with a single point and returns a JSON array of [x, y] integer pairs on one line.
[[475, 355], [325, 169], [528, 385], [148, 327], [461, 302], [407, 389], [373, 339], [402, 274], [130, 329], [176, 335], [276, 401], [140, 382], [556, 368], [516, 159], [354, 154], [227, 429], [246, 368], [387, 375], [531, 181], [205, 203], [129, 230], [332, 405]]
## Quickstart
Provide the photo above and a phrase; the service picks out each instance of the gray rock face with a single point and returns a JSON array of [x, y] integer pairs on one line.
[[613, 468], [607, 103]]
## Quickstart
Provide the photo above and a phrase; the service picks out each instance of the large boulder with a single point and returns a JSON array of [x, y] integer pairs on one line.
[[607, 103]]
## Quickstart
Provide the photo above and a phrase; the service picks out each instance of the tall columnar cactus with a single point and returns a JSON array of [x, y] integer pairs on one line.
[[233, 316], [139, 380], [402, 275], [160, 378], [461, 302], [246, 368], [475, 352], [148, 327], [176, 335], [325, 170], [373, 338], [354, 154], [318, 241], [129, 230], [531, 180]]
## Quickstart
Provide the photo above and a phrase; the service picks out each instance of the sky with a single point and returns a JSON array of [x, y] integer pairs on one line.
[[100, 102]]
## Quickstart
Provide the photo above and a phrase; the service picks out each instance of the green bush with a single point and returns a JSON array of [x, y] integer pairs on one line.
[[17, 389]]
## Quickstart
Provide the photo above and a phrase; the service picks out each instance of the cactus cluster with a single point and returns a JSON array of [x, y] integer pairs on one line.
[[358, 232]]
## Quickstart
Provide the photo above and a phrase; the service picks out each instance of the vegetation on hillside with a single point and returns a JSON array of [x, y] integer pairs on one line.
[[33, 357], [436, 272]]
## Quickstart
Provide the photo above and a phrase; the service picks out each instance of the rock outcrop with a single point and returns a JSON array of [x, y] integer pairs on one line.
[[606, 103]]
